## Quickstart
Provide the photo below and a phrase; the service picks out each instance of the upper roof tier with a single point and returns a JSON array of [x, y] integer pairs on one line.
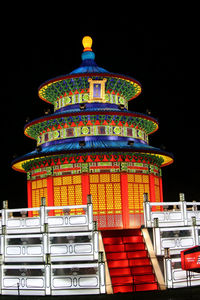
[[78, 81]]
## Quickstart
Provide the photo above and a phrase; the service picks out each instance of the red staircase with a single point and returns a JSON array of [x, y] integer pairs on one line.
[[129, 265]]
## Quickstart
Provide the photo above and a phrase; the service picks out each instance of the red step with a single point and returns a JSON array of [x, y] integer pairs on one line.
[[139, 262], [123, 289], [121, 232], [134, 247], [122, 280], [114, 248], [137, 254], [145, 287], [129, 265], [116, 255], [120, 272], [112, 240], [148, 278], [132, 239], [118, 263], [141, 270]]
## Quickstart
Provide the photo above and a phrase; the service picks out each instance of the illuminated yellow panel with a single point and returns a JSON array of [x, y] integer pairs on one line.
[[130, 196], [57, 181], [109, 196], [115, 177], [156, 180], [157, 193], [104, 178], [64, 195], [71, 195], [67, 180], [93, 191], [34, 185], [78, 193], [117, 195], [138, 178], [94, 178], [77, 179], [145, 178], [146, 188], [101, 192], [130, 177]]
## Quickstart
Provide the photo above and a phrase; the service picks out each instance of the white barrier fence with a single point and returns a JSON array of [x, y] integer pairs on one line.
[[175, 239], [13, 222], [55, 252], [78, 246], [180, 213], [175, 277], [62, 279]]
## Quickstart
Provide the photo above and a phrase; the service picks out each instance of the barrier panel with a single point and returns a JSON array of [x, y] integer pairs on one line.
[[82, 278], [16, 221], [175, 277], [55, 252], [176, 240], [180, 213]]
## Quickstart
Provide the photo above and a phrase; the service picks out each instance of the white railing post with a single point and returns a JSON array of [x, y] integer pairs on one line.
[[96, 244], [157, 241], [147, 211], [4, 213], [168, 272], [102, 281], [90, 212], [42, 214], [48, 279], [183, 207]]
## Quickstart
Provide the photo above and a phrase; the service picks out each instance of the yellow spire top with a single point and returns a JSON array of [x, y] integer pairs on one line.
[[87, 43]]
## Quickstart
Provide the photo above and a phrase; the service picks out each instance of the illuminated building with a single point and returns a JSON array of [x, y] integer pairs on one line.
[[92, 144]]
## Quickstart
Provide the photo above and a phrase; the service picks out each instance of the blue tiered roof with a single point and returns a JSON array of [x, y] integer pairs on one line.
[[53, 88]]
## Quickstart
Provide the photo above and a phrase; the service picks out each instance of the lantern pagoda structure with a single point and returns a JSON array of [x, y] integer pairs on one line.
[[92, 144]]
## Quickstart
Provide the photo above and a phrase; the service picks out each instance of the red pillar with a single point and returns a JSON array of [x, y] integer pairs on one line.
[[29, 194], [50, 195], [124, 197], [85, 187], [161, 189], [152, 188]]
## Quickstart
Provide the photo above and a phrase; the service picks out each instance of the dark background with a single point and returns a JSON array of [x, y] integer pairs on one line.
[[157, 51]]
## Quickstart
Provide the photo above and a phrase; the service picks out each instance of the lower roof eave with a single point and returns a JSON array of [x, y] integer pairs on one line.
[[17, 164]]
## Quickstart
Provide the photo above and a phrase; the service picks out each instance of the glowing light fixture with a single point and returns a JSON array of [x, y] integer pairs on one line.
[[87, 43]]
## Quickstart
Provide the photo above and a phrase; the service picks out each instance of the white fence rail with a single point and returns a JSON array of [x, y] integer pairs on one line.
[[175, 277], [62, 279], [54, 252], [175, 239], [78, 246], [180, 213], [12, 221]]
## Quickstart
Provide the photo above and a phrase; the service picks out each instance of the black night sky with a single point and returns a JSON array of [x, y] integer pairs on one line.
[[156, 52]]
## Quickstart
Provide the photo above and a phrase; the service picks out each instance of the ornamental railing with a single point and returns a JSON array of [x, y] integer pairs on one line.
[[77, 246], [17, 221], [47, 279], [171, 214], [56, 252], [175, 239], [176, 277]]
